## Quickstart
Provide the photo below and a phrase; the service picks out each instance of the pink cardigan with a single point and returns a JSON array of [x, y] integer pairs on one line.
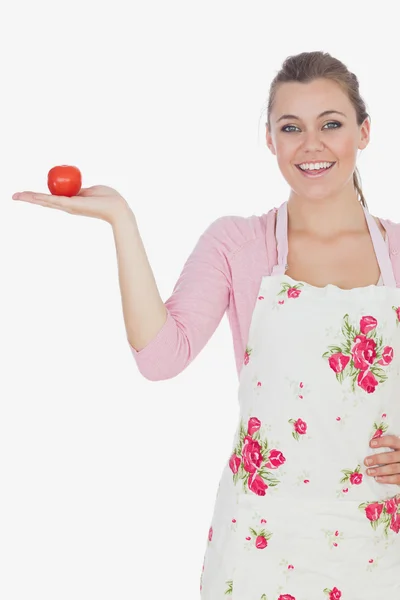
[[223, 273]]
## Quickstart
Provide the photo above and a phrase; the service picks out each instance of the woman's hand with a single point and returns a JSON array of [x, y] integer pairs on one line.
[[98, 201], [385, 465]]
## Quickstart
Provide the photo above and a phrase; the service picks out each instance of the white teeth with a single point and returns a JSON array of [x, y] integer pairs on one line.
[[315, 166]]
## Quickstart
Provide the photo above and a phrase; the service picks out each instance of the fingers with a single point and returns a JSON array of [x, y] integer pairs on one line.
[[388, 441], [385, 466], [60, 202], [29, 196], [383, 458], [386, 475]]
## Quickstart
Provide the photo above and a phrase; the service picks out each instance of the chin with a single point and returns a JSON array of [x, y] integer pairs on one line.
[[314, 191]]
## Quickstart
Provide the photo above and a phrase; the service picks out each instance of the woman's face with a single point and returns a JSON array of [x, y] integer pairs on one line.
[[315, 123]]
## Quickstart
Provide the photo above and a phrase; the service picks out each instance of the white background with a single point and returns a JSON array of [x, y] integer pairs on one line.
[[107, 480]]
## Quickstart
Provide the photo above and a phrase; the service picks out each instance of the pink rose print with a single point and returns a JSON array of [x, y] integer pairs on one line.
[[356, 478], [364, 352], [387, 356], [391, 506], [333, 594], [383, 513], [247, 354], [368, 324], [395, 523], [234, 463], [276, 459], [257, 485], [379, 429], [261, 542], [253, 425], [373, 511], [251, 454], [261, 538], [299, 428], [252, 461], [291, 291], [210, 534], [286, 597], [367, 381], [353, 477], [361, 355], [261, 297], [338, 362]]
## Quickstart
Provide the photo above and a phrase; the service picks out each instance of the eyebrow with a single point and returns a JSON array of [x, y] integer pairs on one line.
[[323, 114]]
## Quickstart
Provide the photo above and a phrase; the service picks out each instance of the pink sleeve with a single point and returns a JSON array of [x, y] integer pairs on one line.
[[195, 308]]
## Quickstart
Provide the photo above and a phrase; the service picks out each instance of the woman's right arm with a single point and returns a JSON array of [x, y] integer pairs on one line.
[[143, 309], [166, 337]]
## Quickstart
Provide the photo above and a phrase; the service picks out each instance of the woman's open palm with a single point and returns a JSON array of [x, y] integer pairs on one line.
[[99, 201]]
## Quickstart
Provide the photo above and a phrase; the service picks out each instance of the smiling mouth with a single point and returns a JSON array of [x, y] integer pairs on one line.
[[315, 172]]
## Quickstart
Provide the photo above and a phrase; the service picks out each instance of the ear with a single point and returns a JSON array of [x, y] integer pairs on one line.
[[365, 132], [268, 138]]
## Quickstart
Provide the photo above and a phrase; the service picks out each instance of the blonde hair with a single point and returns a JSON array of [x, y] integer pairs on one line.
[[308, 66]]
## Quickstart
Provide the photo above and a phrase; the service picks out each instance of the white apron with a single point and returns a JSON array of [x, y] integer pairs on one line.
[[296, 515]]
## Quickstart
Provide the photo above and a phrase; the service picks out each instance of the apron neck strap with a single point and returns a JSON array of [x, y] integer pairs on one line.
[[381, 251], [281, 234]]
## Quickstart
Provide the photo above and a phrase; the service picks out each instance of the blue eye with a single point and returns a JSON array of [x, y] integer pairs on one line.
[[289, 128], [286, 128], [336, 123]]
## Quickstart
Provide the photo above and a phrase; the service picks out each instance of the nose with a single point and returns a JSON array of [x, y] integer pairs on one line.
[[313, 142]]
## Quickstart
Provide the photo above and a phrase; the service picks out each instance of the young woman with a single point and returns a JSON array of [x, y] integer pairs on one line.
[[308, 505]]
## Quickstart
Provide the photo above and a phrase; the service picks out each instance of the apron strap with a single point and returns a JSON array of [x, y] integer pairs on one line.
[[381, 251], [281, 240]]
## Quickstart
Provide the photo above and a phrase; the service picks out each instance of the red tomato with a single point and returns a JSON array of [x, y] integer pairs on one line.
[[64, 180]]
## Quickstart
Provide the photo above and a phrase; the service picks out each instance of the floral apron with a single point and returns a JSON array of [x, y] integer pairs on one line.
[[296, 516]]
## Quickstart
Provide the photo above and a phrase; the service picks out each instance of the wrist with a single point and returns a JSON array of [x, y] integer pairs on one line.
[[122, 214]]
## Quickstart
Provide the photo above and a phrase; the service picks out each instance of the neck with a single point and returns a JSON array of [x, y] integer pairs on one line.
[[327, 216]]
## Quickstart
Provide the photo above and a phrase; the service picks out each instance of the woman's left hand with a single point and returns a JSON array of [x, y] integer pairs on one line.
[[385, 466]]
